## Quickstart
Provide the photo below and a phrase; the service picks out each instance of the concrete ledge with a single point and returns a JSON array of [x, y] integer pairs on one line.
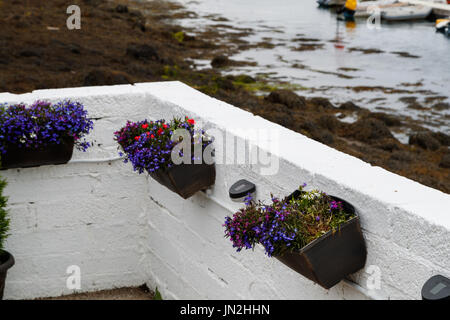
[[122, 228]]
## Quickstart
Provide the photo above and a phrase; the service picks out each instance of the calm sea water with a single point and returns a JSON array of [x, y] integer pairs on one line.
[[336, 67]]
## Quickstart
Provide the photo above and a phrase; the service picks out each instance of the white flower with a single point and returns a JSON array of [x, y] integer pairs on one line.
[[314, 194]]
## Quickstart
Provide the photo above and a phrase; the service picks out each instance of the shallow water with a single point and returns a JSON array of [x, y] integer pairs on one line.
[[333, 69]]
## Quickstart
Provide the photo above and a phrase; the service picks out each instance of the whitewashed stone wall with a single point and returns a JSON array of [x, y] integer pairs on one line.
[[125, 229]]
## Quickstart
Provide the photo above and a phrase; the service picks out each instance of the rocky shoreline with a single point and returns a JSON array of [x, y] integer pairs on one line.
[[134, 41]]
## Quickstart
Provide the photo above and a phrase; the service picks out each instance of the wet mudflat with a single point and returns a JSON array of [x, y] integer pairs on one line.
[[128, 41], [299, 43]]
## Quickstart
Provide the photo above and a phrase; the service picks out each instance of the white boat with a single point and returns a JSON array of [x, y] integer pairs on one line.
[[406, 13], [366, 9], [442, 24], [441, 8]]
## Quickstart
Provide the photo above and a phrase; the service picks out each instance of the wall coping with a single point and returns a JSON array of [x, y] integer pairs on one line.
[[352, 173]]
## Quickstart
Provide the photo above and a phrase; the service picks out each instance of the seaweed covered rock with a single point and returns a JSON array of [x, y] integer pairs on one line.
[[388, 119], [245, 78], [106, 77], [328, 122], [424, 140], [224, 83], [220, 62], [94, 3], [317, 133], [321, 102], [369, 130], [122, 8], [349, 106], [142, 51], [440, 106], [445, 161], [288, 98], [443, 138], [402, 156]]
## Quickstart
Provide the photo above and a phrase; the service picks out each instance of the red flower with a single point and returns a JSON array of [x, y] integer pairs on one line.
[[145, 126], [160, 131], [165, 126], [137, 138], [152, 136], [191, 121]]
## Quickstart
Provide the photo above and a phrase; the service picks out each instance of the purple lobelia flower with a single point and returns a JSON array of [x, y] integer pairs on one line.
[[148, 145], [42, 124]]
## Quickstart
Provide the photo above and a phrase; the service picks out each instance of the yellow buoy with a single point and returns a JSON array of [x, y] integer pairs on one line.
[[351, 4]]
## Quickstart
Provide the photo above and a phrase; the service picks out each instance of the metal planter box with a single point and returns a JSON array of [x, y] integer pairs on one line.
[[24, 157], [6, 262], [186, 179], [329, 259]]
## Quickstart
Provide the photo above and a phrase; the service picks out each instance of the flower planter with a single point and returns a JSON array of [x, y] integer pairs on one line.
[[6, 262], [186, 179], [329, 259], [149, 145], [24, 157], [29, 134]]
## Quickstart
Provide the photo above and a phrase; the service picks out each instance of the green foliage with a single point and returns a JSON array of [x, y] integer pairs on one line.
[[4, 221], [157, 295], [170, 72], [179, 36], [260, 84], [244, 78]]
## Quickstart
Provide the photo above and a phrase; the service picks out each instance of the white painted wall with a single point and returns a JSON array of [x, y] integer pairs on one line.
[[123, 229]]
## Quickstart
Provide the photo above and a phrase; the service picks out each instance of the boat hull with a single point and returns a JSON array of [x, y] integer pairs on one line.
[[406, 13]]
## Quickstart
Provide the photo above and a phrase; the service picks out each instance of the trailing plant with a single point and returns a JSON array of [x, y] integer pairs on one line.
[[285, 225], [4, 220], [157, 295], [42, 124], [148, 145]]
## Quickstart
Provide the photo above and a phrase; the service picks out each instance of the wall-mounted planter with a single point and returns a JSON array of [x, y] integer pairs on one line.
[[42, 133], [330, 258], [24, 157], [149, 146], [186, 179], [6, 262]]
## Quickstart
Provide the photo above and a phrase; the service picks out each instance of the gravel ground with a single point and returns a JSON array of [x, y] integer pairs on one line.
[[130, 293]]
